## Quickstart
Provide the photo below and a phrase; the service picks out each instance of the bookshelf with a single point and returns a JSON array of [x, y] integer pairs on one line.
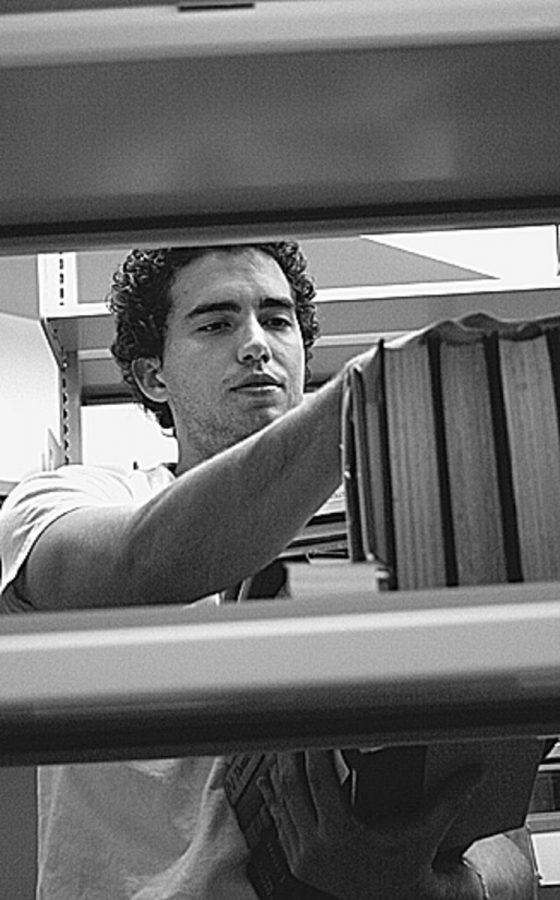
[[394, 129]]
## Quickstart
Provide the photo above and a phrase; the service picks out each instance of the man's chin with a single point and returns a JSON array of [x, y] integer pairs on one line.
[[258, 415], [263, 416], [256, 421]]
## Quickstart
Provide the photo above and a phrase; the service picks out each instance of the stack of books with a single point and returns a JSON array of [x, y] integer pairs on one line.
[[325, 535], [452, 454]]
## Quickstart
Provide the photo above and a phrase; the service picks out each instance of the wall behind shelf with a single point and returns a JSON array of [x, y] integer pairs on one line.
[[28, 396]]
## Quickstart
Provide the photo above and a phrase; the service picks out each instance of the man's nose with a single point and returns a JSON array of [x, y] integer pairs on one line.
[[253, 346]]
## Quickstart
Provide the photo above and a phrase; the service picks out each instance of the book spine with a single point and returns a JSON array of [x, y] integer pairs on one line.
[[442, 433], [371, 541], [418, 526], [372, 469], [532, 422], [267, 869], [468, 458], [239, 773], [350, 475], [379, 442], [500, 433]]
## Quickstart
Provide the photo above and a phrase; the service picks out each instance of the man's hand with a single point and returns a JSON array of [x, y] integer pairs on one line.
[[326, 846]]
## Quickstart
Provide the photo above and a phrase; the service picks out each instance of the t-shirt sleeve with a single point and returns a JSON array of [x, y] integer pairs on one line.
[[43, 498]]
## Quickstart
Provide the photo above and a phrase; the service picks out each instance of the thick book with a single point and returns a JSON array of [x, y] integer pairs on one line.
[[371, 483], [413, 467], [469, 459], [357, 546], [391, 783], [530, 390], [326, 532]]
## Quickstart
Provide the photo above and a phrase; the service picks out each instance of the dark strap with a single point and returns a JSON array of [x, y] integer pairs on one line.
[[270, 582]]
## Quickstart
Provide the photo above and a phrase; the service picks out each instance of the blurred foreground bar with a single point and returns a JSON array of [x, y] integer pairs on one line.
[[341, 668]]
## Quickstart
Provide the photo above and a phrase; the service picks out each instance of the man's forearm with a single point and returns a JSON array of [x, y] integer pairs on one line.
[[218, 523], [225, 519]]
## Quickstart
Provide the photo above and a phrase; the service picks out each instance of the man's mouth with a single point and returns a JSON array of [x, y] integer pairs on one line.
[[257, 383]]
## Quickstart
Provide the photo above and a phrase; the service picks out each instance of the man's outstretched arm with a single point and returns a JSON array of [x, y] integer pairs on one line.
[[218, 523]]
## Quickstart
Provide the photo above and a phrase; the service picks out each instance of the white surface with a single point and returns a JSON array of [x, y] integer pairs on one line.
[[28, 397], [517, 257], [547, 852], [121, 434]]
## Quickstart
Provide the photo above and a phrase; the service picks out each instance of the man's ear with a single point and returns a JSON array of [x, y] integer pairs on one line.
[[149, 378]]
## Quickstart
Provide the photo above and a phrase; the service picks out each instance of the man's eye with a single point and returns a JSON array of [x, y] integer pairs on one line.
[[213, 327], [279, 322]]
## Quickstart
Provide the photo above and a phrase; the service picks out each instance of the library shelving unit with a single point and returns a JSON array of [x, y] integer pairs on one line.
[[125, 124]]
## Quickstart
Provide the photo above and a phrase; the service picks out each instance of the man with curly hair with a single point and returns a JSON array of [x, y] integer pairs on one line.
[[215, 342]]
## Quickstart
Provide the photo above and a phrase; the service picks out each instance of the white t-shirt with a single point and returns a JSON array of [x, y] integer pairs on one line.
[[138, 830]]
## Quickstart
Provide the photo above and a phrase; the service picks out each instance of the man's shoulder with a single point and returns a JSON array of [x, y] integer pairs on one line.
[[94, 484], [42, 498]]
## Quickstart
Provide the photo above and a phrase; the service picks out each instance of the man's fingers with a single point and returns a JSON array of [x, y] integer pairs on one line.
[[324, 786], [450, 800], [288, 779], [280, 815]]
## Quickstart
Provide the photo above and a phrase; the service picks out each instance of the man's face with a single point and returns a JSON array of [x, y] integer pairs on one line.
[[233, 357]]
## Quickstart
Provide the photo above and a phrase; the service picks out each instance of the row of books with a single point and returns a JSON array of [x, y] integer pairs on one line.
[[452, 454]]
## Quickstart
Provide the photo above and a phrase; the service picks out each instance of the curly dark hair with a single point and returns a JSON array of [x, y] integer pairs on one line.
[[140, 300]]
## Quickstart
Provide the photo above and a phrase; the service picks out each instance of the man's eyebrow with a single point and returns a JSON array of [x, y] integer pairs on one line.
[[284, 302], [213, 306], [217, 306]]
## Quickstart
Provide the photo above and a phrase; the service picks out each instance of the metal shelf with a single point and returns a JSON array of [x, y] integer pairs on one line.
[[61, 694], [353, 316], [308, 117]]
